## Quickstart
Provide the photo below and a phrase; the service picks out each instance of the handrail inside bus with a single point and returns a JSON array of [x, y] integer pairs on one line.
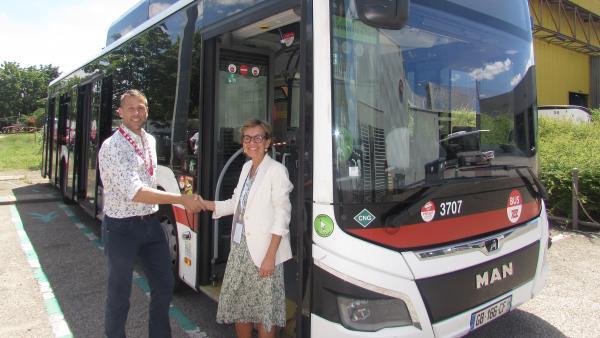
[[217, 189]]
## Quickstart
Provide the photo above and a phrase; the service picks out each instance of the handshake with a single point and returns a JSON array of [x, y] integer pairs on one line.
[[195, 203]]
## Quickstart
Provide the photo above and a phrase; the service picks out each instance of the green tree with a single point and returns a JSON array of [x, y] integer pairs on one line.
[[10, 89], [22, 89]]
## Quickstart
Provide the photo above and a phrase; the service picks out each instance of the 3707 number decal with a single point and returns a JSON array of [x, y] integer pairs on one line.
[[429, 209], [450, 208]]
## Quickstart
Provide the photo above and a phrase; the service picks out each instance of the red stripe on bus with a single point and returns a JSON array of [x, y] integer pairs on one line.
[[446, 230], [185, 217]]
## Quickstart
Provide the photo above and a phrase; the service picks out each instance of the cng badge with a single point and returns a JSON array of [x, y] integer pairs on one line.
[[364, 218], [323, 225]]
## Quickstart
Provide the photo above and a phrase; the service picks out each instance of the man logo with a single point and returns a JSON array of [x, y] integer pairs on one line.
[[492, 245], [495, 275]]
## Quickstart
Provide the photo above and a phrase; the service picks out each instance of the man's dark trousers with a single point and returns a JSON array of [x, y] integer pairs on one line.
[[125, 239]]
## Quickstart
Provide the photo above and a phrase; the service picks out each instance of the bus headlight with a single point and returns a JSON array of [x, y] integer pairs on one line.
[[372, 314]]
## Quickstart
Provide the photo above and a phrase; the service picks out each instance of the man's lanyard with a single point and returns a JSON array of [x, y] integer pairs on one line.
[[149, 169]]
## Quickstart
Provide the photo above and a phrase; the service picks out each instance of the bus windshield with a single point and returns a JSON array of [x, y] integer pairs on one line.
[[450, 96]]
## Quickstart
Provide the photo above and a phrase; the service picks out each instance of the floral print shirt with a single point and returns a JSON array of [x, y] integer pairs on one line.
[[123, 173]]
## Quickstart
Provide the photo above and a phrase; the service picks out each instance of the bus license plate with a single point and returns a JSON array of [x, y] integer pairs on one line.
[[490, 313]]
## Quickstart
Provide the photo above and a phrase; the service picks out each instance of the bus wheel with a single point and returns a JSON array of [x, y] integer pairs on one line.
[[169, 226]]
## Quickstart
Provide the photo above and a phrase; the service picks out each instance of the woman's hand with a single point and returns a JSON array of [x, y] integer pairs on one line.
[[191, 203], [267, 267], [206, 205], [268, 264]]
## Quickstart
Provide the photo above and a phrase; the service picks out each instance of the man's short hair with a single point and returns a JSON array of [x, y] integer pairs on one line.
[[134, 93]]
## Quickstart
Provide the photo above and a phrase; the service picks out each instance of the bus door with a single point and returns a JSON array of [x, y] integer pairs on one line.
[[53, 167], [60, 178], [256, 76], [72, 145], [84, 108], [49, 140], [97, 127], [242, 80]]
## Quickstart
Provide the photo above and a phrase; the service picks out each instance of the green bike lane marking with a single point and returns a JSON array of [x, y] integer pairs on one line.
[[190, 328], [60, 328]]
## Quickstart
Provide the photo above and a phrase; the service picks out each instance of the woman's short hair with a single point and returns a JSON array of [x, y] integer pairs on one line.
[[257, 123], [133, 93]]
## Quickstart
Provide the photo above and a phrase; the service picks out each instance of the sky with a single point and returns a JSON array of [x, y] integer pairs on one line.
[[64, 33]]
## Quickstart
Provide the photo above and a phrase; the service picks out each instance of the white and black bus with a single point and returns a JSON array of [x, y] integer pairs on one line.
[[409, 130]]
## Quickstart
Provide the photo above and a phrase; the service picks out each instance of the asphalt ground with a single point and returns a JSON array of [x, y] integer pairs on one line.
[[69, 281], [52, 278]]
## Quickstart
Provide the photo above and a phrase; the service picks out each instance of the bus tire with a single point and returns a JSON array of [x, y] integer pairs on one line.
[[169, 226]]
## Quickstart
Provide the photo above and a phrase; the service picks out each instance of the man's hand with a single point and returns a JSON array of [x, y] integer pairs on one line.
[[192, 203]]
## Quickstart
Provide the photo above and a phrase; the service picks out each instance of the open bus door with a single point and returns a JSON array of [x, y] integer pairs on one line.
[[251, 72], [241, 93]]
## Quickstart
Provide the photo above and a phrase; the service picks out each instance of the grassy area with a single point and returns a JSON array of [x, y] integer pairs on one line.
[[20, 151], [565, 145]]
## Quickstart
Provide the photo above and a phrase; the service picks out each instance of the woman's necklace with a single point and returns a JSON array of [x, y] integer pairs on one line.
[[254, 168]]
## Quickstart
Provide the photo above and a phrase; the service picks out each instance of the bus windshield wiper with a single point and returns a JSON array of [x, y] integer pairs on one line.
[[492, 167], [462, 133], [541, 190]]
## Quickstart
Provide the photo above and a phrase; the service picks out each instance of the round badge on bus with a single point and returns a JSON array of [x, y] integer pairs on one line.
[[288, 38], [514, 206], [323, 225], [428, 211]]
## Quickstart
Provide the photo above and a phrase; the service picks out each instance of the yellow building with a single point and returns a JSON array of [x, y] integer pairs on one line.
[[567, 51]]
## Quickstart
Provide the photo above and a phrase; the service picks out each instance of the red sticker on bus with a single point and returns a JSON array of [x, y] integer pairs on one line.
[[514, 206], [287, 38], [244, 70], [428, 211]]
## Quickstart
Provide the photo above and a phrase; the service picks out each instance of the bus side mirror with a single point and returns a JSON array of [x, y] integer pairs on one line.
[[388, 14]]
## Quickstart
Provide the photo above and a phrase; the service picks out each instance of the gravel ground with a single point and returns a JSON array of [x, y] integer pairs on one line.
[[569, 304], [571, 298]]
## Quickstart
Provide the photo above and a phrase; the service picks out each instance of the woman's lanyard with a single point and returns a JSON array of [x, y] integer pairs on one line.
[[241, 209], [149, 168]]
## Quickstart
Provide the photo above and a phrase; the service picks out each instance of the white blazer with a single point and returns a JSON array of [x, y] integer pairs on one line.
[[268, 209]]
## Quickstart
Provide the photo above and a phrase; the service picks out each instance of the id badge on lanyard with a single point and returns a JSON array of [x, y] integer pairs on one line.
[[237, 232]]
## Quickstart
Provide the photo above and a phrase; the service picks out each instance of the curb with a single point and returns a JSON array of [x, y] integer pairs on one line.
[[37, 179]]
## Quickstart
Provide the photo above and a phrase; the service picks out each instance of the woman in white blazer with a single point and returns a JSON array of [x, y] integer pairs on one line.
[[253, 291]]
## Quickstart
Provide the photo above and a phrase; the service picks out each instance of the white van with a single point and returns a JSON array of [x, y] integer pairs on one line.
[[573, 113]]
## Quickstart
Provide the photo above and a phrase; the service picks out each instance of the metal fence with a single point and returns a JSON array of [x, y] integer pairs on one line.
[[576, 204], [18, 129]]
